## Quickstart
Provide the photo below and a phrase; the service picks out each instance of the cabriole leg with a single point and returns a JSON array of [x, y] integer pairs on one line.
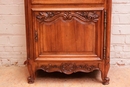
[[30, 80]]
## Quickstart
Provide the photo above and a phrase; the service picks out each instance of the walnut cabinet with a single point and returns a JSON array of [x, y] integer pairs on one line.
[[68, 36]]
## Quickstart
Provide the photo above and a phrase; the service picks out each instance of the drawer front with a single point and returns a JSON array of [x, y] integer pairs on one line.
[[67, 1]]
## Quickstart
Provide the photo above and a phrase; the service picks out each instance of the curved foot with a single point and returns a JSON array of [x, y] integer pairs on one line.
[[30, 80], [106, 81]]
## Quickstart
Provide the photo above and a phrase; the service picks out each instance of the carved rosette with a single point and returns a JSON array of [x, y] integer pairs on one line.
[[68, 68], [85, 16]]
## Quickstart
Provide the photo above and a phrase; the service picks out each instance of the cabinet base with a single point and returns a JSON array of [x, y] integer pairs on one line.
[[69, 68]]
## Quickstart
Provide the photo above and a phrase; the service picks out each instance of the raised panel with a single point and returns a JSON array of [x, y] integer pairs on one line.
[[66, 1], [68, 34], [62, 36]]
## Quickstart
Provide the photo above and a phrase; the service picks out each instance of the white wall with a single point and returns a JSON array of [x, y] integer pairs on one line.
[[13, 40], [12, 32], [120, 35]]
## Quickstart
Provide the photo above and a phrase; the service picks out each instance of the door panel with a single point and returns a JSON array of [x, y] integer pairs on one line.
[[68, 34]]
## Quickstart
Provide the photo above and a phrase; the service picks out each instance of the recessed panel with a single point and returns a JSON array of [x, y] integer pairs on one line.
[[67, 36]]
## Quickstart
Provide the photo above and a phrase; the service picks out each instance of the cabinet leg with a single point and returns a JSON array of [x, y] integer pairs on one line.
[[31, 70], [30, 80], [106, 81]]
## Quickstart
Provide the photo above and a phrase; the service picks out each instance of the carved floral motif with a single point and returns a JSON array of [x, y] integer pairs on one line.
[[46, 15], [83, 15], [68, 68]]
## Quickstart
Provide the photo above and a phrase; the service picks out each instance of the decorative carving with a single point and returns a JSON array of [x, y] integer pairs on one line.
[[89, 16], [68, 68], [83, 15], [44, 16]]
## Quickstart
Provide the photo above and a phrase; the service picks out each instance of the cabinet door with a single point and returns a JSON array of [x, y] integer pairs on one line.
[[68, 34]]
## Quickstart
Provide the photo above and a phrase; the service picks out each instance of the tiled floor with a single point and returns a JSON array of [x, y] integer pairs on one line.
[[15, 76]]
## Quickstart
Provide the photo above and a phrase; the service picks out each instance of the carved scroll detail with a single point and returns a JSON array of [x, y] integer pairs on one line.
[[68, 68], [81, 15]]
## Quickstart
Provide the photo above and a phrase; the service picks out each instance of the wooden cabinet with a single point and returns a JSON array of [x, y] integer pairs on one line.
[[68, 36]]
